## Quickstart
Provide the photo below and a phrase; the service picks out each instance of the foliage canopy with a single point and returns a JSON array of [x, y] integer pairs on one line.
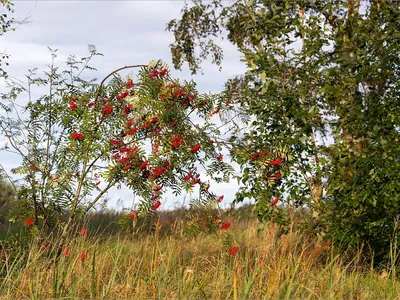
[[321, 93]]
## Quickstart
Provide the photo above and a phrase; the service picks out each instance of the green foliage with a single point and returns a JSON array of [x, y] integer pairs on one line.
[[202, 217], [5, 23], [323, 83], [7, 197]]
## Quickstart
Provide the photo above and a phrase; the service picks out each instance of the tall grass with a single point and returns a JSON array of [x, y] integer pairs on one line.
[[174, 266]]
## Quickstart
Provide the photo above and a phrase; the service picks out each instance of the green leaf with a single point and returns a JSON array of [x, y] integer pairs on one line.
[[263, 76], [250, 3]]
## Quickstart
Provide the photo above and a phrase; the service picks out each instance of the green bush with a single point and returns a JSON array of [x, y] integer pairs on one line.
[[7, 196]]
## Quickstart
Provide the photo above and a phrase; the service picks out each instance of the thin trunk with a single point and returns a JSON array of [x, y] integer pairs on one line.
[[349, 50]]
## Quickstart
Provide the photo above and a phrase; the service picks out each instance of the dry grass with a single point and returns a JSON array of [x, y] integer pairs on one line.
[[177, 267]]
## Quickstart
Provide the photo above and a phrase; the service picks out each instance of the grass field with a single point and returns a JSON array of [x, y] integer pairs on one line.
[[169, 265]]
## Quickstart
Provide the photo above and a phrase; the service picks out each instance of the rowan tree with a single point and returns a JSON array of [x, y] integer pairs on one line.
[[149, 132]]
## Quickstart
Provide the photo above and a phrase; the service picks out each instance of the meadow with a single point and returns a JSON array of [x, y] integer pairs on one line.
[[162, 262]]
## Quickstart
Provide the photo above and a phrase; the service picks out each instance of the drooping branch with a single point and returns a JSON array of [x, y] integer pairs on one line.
[[112, 73]]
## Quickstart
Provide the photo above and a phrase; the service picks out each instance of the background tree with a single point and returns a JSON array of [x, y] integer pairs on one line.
[[7, 24], [7, 195], [321, 95]]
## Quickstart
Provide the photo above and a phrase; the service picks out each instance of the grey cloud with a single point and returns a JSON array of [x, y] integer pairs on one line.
[[84, 22]]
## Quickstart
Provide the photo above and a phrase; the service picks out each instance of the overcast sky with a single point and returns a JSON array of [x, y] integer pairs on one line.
[[126, 32]]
